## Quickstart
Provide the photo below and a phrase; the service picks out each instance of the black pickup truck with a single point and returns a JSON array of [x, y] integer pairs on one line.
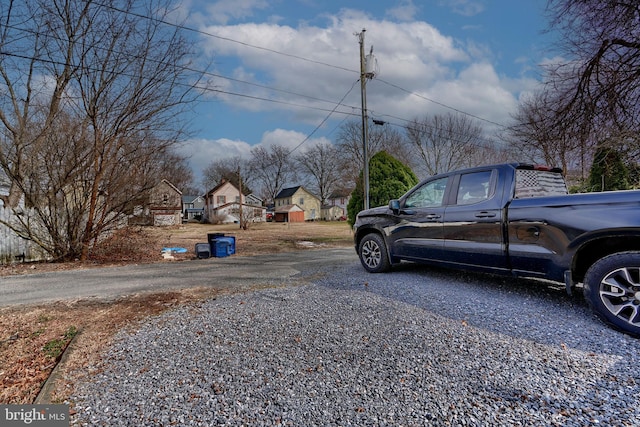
[[518, 220]]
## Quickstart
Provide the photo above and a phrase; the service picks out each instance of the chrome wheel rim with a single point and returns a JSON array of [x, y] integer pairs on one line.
[[620, 294], [371, 254]]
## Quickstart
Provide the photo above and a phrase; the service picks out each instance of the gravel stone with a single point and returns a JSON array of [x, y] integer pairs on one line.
[[419, 346]]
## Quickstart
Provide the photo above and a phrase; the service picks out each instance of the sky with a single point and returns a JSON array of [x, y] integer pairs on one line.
[[287, 71]]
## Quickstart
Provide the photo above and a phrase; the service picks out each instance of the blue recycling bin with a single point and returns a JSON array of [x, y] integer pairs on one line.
[[231, 242], [221, 249], [211, 238]]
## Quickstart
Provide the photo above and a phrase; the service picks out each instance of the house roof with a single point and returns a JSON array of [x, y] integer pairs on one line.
[[189, 199], [173, 187], [248, 205], [289, 208], [219, 186], [287, 192], [252, 196]]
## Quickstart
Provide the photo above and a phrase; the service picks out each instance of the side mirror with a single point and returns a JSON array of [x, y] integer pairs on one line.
[[394, 205]]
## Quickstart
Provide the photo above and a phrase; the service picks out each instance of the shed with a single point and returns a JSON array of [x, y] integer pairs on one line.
[[165, 204], [289, 213]]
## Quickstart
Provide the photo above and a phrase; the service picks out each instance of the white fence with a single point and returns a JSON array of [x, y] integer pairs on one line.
[[14, 248]]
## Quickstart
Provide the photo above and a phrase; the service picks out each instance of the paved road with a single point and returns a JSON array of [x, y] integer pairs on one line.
[[238, 271]]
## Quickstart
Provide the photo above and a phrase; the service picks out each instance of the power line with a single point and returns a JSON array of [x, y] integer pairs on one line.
[[206, 73], [441, 104], [183, 27], [326, 118], [202, 72]]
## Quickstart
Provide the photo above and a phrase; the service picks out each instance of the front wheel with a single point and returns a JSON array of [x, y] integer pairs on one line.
[[612, 289], [373, 254]]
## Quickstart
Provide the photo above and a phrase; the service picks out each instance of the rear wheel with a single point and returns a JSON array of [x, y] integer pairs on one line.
[[373, 254], [612, 289]]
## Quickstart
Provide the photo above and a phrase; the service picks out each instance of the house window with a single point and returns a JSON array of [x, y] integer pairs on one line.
[[237, 199], [302, 200], [222, 200]]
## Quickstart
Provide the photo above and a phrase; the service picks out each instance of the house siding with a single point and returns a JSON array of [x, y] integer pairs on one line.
[[229, 210], [14, 248], [223, 194], [309, 203], [165, 204]]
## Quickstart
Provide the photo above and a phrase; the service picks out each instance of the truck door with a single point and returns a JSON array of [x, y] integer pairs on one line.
[[472, 225], [418, 232]]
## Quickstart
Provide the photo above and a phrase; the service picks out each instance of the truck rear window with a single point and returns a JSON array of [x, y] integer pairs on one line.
[[538, 183]]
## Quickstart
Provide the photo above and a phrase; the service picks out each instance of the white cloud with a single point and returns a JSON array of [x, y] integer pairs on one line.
[[413, 57], [223, 11], [464, 7], [405, 11], [201, 152], [291, 140]]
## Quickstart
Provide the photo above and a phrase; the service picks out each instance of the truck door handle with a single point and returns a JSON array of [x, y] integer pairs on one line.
[[433, 216], [485, 214]]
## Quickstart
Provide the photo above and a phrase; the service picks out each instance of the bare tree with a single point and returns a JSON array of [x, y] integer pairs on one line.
[[89, 94], [599, 84], [272, 169], [446, 142], [320, 164], [537, 137], [175, 168], [231, 170], [381, 138]]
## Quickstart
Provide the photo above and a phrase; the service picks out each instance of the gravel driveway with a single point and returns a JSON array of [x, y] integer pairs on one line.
[[415, 347]]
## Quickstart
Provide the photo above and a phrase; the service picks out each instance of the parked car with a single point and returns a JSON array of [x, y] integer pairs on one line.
[[518, 220]]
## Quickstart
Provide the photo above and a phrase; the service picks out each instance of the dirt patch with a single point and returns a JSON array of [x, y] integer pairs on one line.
[[32, 338]]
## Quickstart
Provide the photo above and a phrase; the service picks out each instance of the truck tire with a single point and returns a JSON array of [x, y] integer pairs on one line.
[[612, 289], [373, 253]]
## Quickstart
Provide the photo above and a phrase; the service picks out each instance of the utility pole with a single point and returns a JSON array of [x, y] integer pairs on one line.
[[366, 72], [240, 198]]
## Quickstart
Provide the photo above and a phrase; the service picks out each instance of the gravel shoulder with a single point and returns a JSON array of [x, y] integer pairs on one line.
[[419, 346]]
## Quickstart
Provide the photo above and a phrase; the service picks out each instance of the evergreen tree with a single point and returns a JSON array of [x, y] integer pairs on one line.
[[608, 171], [388, 179]]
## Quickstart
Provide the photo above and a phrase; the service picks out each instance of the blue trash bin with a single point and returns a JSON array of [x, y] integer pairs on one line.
[[231, 241], [211, 238], [221, 247]]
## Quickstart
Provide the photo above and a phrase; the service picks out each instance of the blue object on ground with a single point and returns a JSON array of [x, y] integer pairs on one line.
[[175, 250]]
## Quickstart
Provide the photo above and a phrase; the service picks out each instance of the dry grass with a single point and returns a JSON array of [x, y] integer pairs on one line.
[[33, 337]]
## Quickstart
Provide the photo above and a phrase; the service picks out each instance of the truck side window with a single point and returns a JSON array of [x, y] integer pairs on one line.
[[474, 188], [429, 195]]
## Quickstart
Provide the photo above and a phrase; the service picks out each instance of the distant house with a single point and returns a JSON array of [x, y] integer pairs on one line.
[[165, 204], [252, 199], [192, 208], [224, 202], [299, 196], [13, 247], [336, 206]]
